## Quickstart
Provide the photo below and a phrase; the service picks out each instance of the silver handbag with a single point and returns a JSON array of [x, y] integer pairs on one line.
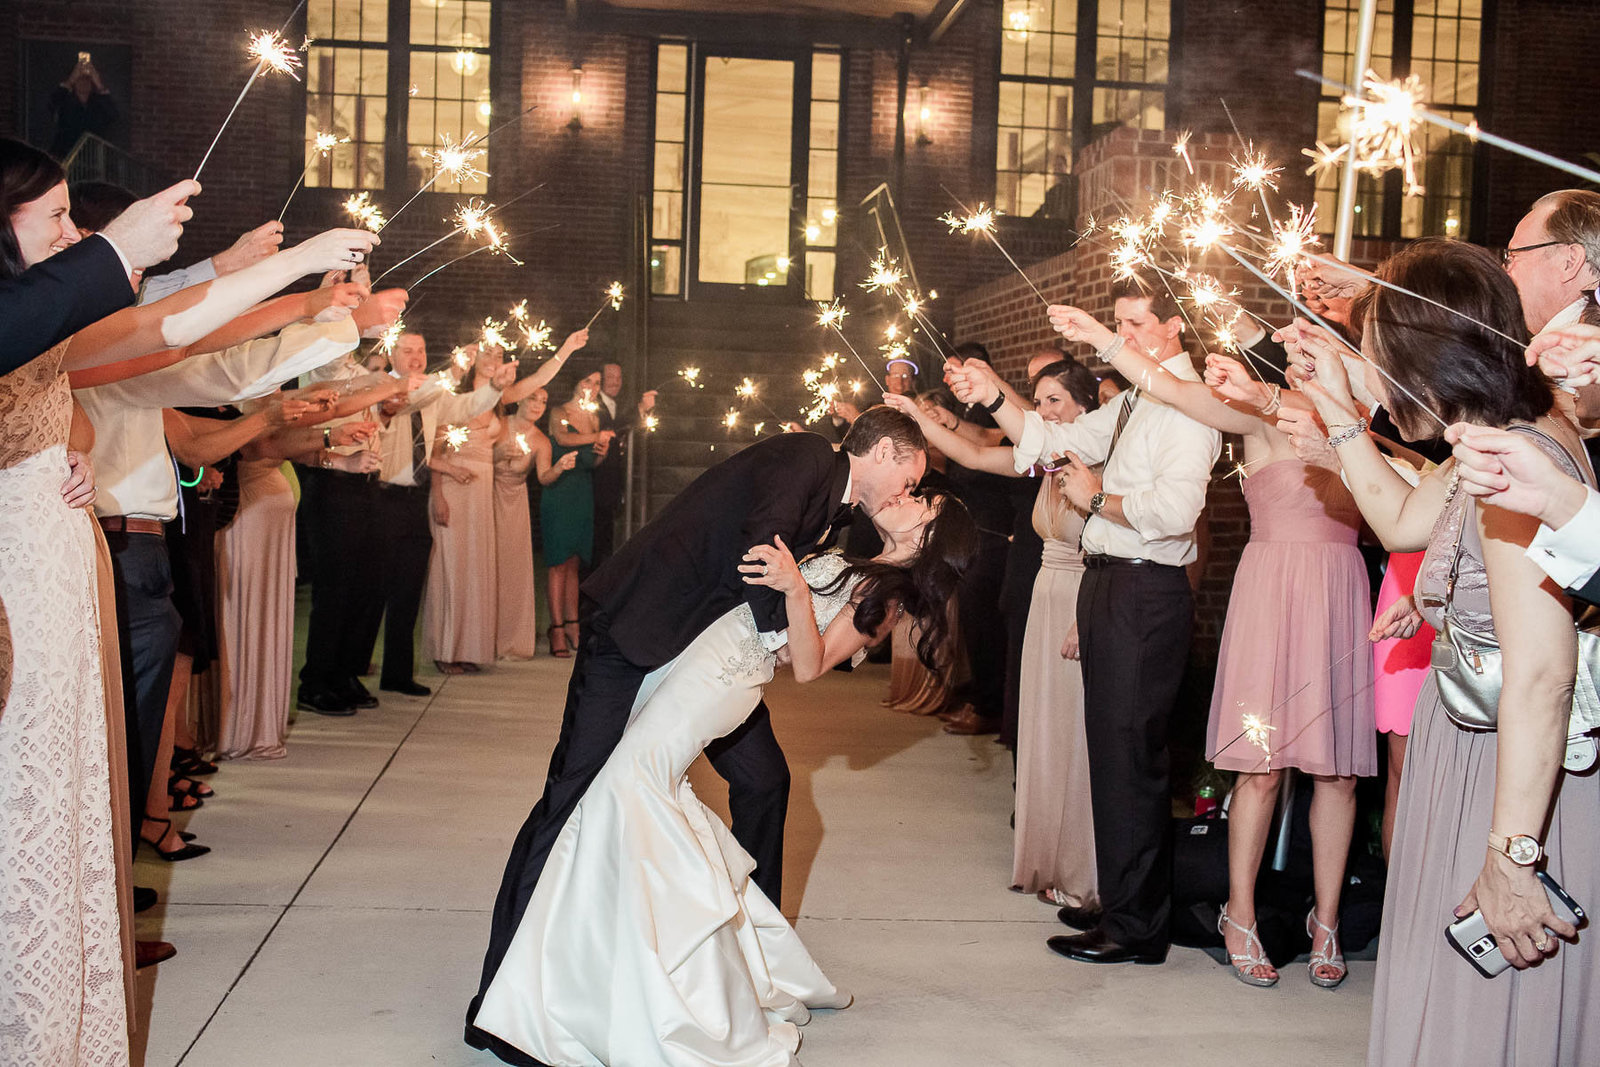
[[1468, 671]]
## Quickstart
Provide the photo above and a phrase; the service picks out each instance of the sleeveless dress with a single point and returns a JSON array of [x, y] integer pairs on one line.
[[1400, 665], [645, 941], [255, 609], [1054, 839], [1429, 1006], [61, 937], [1294, 651], [566, 508], [459, 609], [516, 635]]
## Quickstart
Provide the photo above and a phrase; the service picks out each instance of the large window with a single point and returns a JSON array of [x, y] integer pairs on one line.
[[1439, 41], [376, 65], [1069, 71]]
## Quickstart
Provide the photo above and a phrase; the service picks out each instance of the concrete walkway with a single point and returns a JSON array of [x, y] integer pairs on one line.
[[342, 916]]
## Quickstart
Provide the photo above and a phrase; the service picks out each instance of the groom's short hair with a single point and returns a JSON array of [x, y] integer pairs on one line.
[[878, 422]]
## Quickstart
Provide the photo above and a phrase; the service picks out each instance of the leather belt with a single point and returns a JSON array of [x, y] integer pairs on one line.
[[1098, 560], [123, 524]]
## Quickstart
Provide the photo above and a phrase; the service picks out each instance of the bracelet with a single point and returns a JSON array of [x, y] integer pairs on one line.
[[1276, 402], [1347, 433], [1110, 351], [999, 402]]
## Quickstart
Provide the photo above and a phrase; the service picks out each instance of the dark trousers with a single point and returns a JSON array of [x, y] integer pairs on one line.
[[1023, 559], [341, 520], [1134, 625], [147, 630], [982, 629], [404, 544], [599, 697], [605, 531]]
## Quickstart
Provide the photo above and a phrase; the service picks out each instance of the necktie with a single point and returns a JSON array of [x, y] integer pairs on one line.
[[419, 451], [1116, 435]]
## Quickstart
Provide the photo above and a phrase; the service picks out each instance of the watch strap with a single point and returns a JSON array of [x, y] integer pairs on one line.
[[998, 403]]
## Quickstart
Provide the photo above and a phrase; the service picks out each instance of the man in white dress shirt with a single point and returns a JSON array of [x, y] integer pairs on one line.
[[1135, 606], [405, 540]]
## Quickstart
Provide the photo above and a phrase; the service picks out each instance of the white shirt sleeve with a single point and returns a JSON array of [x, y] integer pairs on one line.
[[1168, 503], [773, 640], [252, 369], [1089, 436], [164, 285], [1571, 554]]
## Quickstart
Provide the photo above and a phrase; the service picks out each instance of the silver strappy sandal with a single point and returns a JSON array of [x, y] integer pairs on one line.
[[1243, 963]]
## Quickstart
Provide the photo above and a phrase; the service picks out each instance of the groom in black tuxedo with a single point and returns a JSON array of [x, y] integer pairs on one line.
[[676, 577]]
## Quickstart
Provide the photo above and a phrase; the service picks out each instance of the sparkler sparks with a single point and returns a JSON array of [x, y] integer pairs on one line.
[[1180, 148], [885, 273], [391, 337], [613, 295], [522, 443], [493, 335], [1383, 135], [1292, 240], [518, 312], [979, 221], [455, 437], [321, 145], [1254, 173], [461, 357], [1255, 732], [273, 53], [746, 390], [455, 160], [360, 207], [730, 421], [537, 338], [650, 423], [832, 315], [691, 377]]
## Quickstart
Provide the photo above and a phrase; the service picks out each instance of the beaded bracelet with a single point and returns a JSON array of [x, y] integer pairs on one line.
[[1276, 402], [1348, 433]]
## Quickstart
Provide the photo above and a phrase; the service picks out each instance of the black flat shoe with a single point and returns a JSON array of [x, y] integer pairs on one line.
[[1079, 918], [323, 702], [1096, 947], [144, 898], [410, 689]]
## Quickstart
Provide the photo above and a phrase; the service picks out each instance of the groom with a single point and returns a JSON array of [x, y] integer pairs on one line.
[[676, 577]]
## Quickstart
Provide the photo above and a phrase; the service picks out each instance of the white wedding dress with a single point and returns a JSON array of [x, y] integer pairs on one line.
[[645, 943]]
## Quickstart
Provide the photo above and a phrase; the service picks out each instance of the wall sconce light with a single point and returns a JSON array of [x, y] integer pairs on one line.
[[576, 122], [924, 113]]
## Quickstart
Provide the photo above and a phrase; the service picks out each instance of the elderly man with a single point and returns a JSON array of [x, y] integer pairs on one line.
[[1553, 257]]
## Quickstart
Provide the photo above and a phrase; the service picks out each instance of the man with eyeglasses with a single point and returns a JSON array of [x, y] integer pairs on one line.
[[1554, 256]]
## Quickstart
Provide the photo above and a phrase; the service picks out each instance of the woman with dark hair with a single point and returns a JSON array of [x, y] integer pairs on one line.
[[62, 990], [1479, 809], [645, 940], [521, 448], [566, 507]]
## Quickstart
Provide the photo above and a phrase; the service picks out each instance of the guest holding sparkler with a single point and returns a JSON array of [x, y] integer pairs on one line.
[[1294, 670], [566, 507], [521, 447], [900, 377], [459, 611], [610, 476], [1135, 613], [1478, 809]]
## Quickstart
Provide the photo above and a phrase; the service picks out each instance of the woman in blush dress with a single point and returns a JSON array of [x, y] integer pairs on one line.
[[566, 507], [1294, 670], [1466, 793], [521, 446], [459, 613]]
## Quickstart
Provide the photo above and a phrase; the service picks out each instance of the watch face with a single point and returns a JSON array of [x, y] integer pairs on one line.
[[1523, 850]]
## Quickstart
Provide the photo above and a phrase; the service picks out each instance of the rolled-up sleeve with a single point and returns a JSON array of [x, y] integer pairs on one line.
[[1167, 502], [1089, 436]]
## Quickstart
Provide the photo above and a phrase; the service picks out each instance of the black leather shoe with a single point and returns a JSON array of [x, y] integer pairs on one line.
[[144, 898], [410, 689], [358, 695], [1079, 918], [1096, 947], [323, 702]]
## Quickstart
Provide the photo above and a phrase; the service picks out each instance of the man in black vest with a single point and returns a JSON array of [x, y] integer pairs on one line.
[[674, 578], [610, 476]]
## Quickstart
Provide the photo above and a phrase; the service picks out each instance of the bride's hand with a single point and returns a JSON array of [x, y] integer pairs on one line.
[[773, 566]]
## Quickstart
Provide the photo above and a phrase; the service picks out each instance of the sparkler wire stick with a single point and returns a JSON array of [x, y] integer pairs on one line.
[[988, 231], [1318, 319], [1474, 133], [864, 364], [1375, 280], [465, 255], [467, 145], [260, 66]]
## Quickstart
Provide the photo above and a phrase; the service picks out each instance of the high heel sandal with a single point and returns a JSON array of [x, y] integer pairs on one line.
[[563, 652], [1250, 958], [191, 787], [187, 761], [575, 636], [182, 799], [1328, 956], [186, 852]]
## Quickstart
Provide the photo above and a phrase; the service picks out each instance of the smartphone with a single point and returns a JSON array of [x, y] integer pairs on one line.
[[1471, 937], [83, 59]]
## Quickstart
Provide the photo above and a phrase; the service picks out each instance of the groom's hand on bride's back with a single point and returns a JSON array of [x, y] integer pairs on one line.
[[784, 656]]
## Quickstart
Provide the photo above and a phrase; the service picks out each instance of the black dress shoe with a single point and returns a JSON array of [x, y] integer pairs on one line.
[[144, 898], [323, 702], [410, 689], [357, 694], [1079, 918], [1096, 947]]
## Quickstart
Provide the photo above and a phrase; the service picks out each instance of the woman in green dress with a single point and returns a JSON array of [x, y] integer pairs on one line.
[[566, 507]]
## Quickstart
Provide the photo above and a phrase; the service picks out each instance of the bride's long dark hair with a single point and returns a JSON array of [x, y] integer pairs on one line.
[[923, 587]]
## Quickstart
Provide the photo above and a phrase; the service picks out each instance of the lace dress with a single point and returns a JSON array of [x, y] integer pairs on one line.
[[645, 941], [61, 968]]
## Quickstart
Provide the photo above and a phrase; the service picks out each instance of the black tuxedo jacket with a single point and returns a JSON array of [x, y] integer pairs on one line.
[[54, 299], [680, 573], [609, 475], [1588, 592]]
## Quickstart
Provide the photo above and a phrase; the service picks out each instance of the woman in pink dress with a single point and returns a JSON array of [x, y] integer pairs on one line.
[[1402, 649], [522, 445], [1294, 672]]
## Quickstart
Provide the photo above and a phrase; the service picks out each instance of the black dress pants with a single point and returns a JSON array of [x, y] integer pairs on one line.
[[1024, 556], [1134, 625], [345, 569], [147, 631], [982, 628], [600, 695], [404, 543]]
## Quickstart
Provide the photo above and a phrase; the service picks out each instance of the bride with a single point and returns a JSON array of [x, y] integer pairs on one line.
[[645, 941]]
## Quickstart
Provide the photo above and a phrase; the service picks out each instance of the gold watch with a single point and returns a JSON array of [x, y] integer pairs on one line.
[[1520, 849]]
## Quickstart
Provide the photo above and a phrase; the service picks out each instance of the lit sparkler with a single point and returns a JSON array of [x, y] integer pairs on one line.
[[518, 312], [455, 437], [271, 52], [360, 207], [391, 337], [730, 421], [1255, 732], [651, 423], [321, 145], [691, 377], [982, 221], [613, 296], [494, 336], [537, 338], [1180, 148]]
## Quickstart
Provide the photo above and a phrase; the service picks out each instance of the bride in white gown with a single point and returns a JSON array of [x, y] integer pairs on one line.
[[645, 941]]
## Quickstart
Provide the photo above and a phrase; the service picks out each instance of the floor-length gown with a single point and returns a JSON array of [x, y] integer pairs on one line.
[[1054, 837], [459, 607], [645, 943], [517, 631], [61, 966], [1294, 652], [1430, 1007], [255, 609]]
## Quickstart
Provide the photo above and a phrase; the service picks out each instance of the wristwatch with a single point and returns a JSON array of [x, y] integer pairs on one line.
[[998, 403], [1097, 502], [1520, 849]]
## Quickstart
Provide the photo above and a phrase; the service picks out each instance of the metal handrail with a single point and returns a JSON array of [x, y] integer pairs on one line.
[[94, 159]]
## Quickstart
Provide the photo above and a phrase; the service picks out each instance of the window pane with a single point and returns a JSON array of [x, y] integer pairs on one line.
[[451, 104], [454, 23], [346, 97], [669, 117], [823, 177], [669, 165], [745, 223], [672, 68], [825, 70], [666, 270], [666, 219], [822, 221], [819, 275], [347, 20]]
